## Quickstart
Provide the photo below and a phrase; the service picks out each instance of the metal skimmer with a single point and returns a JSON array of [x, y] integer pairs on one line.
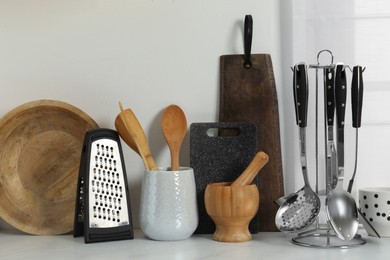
[[300, 209]]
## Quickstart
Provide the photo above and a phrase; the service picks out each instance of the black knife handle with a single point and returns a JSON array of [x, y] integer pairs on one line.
[[301, 94], [357, 96], [330, 102], [340, 93]]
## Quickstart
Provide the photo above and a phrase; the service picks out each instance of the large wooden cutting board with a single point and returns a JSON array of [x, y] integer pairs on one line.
[[249, 94]]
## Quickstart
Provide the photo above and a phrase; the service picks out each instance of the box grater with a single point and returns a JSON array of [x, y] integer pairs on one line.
[[102, 204]]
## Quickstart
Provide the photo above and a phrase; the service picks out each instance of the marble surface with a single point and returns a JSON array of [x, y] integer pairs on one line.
[[275, 245]]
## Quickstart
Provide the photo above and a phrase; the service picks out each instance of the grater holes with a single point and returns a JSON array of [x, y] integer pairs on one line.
[[106, 184], [98, 149], [112, 152], [114, 163]]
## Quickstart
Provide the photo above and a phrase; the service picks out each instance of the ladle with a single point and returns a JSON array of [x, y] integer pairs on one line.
[[174, 127], [341, 207], [133, 134]]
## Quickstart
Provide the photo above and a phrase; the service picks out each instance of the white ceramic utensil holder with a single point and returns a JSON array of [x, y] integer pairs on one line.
[[168, 208]]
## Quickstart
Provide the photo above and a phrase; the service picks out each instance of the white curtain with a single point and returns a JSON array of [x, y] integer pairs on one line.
[[358, 33]]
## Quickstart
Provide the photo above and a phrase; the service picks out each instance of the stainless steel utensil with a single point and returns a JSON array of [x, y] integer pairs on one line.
[[283, 199], [341, 206], [331, 160], [357, 103], [131, 131], [299, 210]]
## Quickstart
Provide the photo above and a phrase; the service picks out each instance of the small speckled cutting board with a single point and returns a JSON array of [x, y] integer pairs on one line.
[[220, 152]]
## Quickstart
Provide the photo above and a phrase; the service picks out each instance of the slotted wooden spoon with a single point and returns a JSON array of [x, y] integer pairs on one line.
[[131, 131], [174, 127]]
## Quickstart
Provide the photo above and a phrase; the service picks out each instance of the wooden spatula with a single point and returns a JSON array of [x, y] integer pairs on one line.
[[133, 134]]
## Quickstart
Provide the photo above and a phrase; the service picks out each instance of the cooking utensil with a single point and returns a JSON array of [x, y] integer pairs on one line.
[[247, 176], [357, 103], [40, 146], [283, 199], [174, 127], [341, 207], [102, 203], [331, 164], [124, 133], [248, 94], [218, 158], [135, 136], [367, 225], [299, 211]]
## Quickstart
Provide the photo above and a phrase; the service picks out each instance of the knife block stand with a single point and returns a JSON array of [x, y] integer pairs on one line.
[[322, 235]]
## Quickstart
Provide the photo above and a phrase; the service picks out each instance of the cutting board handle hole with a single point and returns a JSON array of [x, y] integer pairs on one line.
[[215, 132]]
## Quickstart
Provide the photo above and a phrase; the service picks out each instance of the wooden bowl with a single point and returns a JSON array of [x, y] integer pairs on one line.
[[231, 208], [40, 149]]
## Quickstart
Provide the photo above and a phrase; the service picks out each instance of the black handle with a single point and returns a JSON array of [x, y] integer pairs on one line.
[[330, 102], [340, 94], [248, 32], [357, 96], [301, 94]]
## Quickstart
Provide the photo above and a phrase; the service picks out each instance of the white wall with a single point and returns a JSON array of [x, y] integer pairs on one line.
[[148, 54]]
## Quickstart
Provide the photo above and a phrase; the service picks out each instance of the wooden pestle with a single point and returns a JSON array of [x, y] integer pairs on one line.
[[257, 163]]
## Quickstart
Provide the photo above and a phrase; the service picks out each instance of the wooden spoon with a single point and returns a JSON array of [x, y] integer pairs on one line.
[[257, 163], [174, 127], [132, 132]]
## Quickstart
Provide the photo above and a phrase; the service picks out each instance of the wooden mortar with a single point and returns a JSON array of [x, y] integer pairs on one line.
[[232, 205], [231, 208]]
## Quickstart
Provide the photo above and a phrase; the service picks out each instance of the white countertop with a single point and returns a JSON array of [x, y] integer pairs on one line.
[[264, 245]]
